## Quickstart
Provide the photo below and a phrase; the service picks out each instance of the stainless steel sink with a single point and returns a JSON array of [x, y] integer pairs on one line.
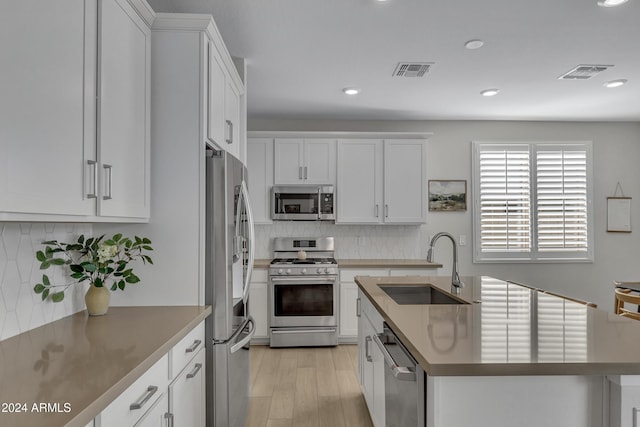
[[418, 294]]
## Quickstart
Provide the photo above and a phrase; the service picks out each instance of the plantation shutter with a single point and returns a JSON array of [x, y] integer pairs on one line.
[[532, 201], [561, 185], [505, 198]]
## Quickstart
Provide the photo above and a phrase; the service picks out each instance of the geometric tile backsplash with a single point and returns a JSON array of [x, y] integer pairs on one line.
[[21, 309]]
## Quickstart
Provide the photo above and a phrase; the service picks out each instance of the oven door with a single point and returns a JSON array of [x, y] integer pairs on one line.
[[303, 301]]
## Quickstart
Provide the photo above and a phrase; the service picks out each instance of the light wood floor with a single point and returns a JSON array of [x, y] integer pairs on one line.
[[299, 387]]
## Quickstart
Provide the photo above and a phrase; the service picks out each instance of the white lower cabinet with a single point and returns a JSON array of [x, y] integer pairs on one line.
[[128, 408], [371, 361], [258, 297], [170, 393], [187, 394]]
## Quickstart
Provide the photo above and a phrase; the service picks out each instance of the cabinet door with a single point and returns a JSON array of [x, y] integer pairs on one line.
[[123, 119], [47, 106], [359, 181], [157, 415], [232, 119], [216, 85], [405, 181], [365, 345], [288, 159], [260, 169], [378, 396], [319, 161], [187, 394], [348, 305], [258, 298]]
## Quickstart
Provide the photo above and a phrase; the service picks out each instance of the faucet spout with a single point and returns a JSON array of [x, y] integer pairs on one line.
[[455, 278]]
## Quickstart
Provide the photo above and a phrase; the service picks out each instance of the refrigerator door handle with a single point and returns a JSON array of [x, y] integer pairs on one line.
[[251, 241], [246, 339]]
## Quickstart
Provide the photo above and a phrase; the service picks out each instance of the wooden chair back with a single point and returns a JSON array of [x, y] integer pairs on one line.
[[625, 296]]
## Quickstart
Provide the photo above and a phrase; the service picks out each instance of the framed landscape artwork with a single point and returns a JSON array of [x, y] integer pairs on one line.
[[447, 195]]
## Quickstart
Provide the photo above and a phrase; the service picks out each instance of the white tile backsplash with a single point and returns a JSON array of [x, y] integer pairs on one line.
[[351, 241], [21, 309]]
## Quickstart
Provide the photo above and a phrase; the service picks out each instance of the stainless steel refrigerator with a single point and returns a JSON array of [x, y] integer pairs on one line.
[[229, 264]]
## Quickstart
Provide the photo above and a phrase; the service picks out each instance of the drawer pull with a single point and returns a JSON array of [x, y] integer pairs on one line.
[[151, 390], [193, 347], [195, 371]]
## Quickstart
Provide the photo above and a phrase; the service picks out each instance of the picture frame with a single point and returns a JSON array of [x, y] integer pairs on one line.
[[619, 214], [447, 195]]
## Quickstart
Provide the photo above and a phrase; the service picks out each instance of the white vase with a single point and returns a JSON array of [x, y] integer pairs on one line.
[[97, 300]]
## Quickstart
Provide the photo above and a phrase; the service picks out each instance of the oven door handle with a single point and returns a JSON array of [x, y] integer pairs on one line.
[[402, 373], [304, 331], [306, 280]]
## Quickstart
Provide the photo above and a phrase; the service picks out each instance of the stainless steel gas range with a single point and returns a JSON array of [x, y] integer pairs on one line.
[[303, 293]]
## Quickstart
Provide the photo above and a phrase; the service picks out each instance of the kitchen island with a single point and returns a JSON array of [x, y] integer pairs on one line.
[[511, 355]]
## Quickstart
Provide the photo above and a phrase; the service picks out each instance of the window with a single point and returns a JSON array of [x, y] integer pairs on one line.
[[532, 201]]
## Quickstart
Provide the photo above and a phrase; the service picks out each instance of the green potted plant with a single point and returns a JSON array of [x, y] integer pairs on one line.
[[98, 261]]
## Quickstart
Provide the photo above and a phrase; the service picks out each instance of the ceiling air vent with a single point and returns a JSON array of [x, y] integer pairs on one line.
[[412, 69], [584, 72]]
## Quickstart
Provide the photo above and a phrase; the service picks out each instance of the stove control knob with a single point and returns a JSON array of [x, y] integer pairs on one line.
[[328, 271], [288, 271], [319, 271], [280, 271], [304, 271]]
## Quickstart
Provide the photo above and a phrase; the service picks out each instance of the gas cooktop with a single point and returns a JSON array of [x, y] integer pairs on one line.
[[289, 261]]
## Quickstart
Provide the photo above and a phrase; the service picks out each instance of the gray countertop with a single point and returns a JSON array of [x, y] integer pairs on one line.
[[86, 362], [507, 329]]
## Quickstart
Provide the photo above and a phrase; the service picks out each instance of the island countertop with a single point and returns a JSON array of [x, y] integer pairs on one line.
[[82, 363], [507, 329]]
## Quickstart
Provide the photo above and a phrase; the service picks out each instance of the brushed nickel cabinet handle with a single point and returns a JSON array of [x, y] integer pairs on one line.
[[229, 140], [94, 165], [376, 211], [193, 346], [195, 371], [358, 308], [151, 390], [367, 356], [305, 173], [108, 182], [386, 211]]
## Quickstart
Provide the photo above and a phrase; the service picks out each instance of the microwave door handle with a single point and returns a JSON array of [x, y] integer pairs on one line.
[[250, 240]]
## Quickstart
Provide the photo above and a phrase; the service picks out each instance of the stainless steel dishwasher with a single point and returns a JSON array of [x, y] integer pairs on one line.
[[403, 382]]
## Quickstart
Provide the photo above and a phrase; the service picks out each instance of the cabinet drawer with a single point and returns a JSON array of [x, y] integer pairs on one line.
[[145, 391], [184, 351], [347, 274], [371, 312]]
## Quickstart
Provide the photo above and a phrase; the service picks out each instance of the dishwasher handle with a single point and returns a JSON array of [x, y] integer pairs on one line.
[[402, 373]]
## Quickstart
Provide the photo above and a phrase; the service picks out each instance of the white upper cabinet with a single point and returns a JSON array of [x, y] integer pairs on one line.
[[74, 114], [304, 161], [405, 189], [43, 142], [224, 99], [359, 181], [260, 169], [381, 181], [124, 119]]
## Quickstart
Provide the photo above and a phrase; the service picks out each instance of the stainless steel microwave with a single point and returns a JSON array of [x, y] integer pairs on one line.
[[303, 203]]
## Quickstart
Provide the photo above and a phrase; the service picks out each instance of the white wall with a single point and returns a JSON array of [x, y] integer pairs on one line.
[[616, 151], [20, 308]]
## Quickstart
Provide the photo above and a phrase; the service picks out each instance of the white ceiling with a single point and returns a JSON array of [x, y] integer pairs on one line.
[[301, 53]]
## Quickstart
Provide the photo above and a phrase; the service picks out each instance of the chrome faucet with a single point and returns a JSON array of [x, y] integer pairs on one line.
[[455, 279]]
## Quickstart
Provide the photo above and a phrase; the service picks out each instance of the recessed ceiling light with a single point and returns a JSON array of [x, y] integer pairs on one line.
[[611, 3], [351, 91], [474, 44], [490, 92], [615, 83]]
